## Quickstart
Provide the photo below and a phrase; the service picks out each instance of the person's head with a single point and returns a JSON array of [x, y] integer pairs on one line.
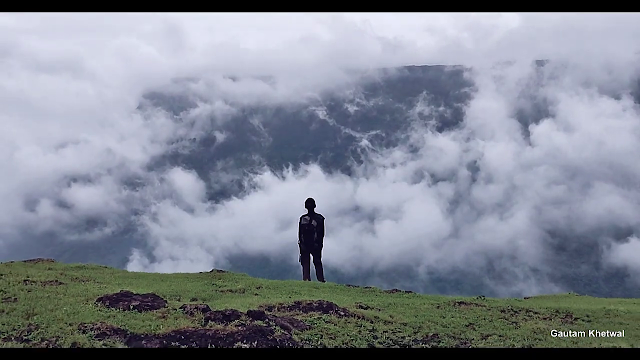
[[310, 204]]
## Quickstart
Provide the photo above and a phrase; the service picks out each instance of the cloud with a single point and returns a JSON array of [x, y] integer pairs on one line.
[[485, 197], [625, 254]]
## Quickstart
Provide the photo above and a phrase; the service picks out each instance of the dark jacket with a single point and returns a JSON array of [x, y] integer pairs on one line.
[[319, 219]]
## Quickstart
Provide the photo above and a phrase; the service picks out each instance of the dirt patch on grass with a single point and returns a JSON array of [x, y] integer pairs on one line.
[[9, 299], [24, 336], [232, 291], [286, 323], [465, 304], [519, 312], [195, 309], [462, 344], [42, 283], [363, 306], [251, 336], [358, 286], [128, 301], [225, 316], [51, 283], [566, 318], [38, 260], [289, 324], [103, 331], [229, 316], [431, 340], [396, 291], [257, 315], [311, 306], [47, 343], [517, 315]]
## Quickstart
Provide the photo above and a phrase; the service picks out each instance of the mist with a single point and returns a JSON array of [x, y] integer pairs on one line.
[[521, 179]]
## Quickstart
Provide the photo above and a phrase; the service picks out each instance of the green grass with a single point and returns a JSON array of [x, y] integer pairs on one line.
[[391, 320]]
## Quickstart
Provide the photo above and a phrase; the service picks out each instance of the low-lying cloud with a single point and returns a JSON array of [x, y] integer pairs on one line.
[[541, 171]]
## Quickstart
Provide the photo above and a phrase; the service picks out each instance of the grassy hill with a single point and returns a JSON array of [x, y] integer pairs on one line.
[[49, 304]]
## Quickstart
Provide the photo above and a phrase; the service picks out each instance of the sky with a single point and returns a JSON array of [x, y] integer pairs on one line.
[[70, 85]]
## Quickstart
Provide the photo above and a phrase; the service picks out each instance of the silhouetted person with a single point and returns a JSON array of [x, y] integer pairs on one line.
[[310, 241]]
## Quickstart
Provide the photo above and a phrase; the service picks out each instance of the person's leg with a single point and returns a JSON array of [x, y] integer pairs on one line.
[[317, 263], [305, 261]]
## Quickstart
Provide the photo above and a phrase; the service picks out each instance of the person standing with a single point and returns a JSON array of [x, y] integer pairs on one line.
[[311, 240]]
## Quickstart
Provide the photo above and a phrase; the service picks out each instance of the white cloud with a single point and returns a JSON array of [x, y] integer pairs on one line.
[[626, 255], [187, 185]]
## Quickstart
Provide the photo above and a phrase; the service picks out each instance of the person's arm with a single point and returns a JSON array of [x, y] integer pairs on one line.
[[321, 231], [299, 230]]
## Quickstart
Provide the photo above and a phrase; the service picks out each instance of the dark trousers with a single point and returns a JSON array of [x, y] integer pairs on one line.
[[305, 261]]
